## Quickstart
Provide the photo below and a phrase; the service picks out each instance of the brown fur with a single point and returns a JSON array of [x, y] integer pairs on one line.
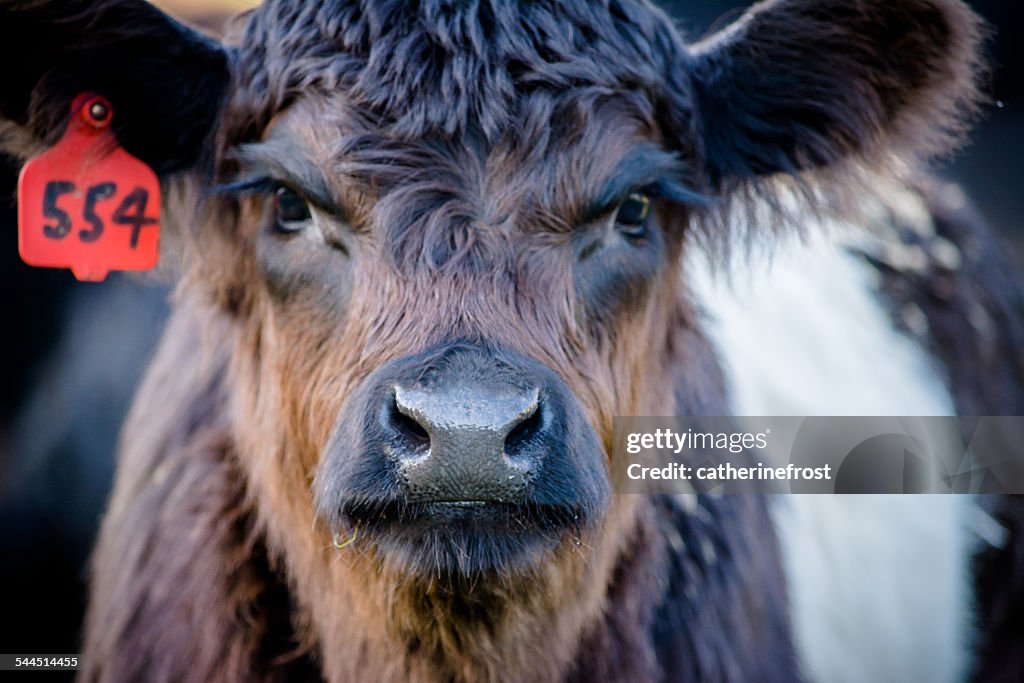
[[461, 157], [202, 551]]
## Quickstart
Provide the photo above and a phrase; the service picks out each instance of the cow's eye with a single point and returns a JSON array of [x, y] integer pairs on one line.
[[290, 210], [632, 215]]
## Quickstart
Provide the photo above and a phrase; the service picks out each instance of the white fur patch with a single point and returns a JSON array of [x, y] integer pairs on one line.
[[879, 585]]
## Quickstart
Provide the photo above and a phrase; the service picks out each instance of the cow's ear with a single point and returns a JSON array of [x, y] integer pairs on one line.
[[165, 81], [799, 84]]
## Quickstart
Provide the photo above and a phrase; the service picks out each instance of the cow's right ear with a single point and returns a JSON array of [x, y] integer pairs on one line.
[[166, 82]]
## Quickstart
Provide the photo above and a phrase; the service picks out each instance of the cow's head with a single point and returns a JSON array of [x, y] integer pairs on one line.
[[447, 239]]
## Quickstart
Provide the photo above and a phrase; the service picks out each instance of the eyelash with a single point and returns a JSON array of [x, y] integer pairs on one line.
[[249, 188]]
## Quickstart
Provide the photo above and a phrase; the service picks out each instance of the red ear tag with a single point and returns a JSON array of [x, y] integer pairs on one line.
[[86, 204]]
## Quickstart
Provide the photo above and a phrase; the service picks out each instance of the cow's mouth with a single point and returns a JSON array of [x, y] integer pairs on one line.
[[464, 537]]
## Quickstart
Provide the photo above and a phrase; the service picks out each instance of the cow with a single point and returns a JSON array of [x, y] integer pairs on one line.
[[426, 251]]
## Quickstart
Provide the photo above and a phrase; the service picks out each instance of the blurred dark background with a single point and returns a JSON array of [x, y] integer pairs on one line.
[[73, 353]]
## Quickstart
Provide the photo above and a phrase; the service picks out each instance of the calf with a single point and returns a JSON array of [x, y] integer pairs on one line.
[[426, 252]]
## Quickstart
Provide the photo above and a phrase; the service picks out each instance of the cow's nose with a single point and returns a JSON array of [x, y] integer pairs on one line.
[[466, 442], [461, 434]]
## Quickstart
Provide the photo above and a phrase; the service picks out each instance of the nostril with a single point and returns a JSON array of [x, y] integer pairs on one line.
[[408, 427], [530, 426]]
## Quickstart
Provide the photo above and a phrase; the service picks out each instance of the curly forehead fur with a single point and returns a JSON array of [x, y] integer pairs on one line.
[[838, 90], [439, 67]]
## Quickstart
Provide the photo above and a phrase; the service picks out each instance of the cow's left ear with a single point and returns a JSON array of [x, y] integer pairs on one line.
[[165, 81], [800, 84]]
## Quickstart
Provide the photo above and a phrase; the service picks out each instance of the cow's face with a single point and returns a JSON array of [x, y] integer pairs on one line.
[[449, 325], [448, 237]]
